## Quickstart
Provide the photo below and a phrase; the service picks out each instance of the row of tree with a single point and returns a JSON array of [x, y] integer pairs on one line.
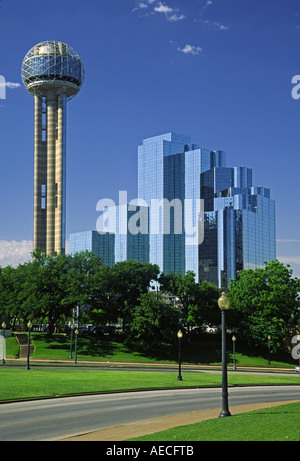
[[263, 301]]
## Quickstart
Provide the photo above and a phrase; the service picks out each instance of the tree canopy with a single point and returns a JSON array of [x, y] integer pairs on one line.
[[265, 302], [198, 302]]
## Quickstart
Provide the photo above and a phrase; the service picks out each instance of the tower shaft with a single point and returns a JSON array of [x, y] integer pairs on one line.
[[49, 172]]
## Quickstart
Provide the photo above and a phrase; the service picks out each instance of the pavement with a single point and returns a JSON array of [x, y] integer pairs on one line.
[[141, 428]]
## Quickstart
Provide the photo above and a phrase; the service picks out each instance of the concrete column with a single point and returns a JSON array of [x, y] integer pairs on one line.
[[39, 223], [59, 244], [51, 183]]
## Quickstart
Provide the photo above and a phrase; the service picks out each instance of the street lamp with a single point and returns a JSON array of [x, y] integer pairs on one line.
[[76, 334], [269, 345], [233, 345], [71, 345], [3, 344], [224, 304], [298, 339], [179, 336], [29, 325]]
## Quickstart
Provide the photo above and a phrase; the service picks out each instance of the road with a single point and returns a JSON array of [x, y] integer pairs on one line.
[[52, 419]]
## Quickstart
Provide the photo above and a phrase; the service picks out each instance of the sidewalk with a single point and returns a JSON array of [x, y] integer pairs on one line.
[[152, 426], [149, 365], [142, 428]]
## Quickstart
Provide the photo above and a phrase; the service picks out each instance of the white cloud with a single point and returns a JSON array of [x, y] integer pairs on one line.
[[287, 240], [14, 253], [190, 49], [174, 17], [293, 262], [218, 25], [289, 259], [221, 26], [9, 84], [163, 9], [159, 7], [142, 5]]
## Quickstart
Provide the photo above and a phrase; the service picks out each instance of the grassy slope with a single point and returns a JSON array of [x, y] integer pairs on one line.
[[272, 424], [206, 351]]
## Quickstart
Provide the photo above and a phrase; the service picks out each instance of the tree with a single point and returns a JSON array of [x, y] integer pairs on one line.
[[104, 305], [130, 279], [153, 322], [13, 296], [264, 302], [47, 288], [198, 301], [54, 285]]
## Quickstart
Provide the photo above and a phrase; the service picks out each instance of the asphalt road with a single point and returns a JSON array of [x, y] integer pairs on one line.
[[52, 419]]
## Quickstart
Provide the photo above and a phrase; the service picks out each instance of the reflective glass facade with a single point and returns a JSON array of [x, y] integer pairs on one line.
[[153, 184], [169, 168], [52, 61], [130, 245], [100, 244], [52, 67], [239, 219], [121, 245], [239, 225]]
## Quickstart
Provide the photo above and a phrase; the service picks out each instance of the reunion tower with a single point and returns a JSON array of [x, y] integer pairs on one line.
[[53, 73]]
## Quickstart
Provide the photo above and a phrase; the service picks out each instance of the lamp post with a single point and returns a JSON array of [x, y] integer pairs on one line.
[[3, 344], [224, 303], [71, 345], [179, 336], [298, 339], [29, 325], [269, 346], [233, 345], [76, 334]]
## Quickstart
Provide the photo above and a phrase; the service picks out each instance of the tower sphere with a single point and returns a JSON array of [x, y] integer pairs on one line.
[[52, 65]]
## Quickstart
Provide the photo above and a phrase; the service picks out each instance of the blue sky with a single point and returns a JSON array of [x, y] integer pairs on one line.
[[220, 71]]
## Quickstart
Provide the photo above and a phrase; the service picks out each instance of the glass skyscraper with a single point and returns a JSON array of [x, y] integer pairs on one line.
[[120, 245], [239, 229], [100, 244], [238, 219], [187, 191]]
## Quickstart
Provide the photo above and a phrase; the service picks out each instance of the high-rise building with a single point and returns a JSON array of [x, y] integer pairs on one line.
[[101, 244], [239, 228], [53, 73], [202, 216], [117, 244], [238, 219], [169, 168]]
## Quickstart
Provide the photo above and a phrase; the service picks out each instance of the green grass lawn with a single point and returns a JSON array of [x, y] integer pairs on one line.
[[22, 383], [12, 347], [279, 423], [106, 349]]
